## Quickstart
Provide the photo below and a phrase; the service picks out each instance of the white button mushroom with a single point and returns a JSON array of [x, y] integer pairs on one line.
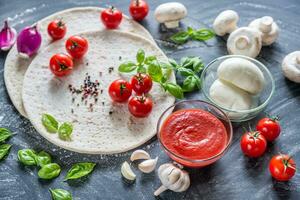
[[268, 28], [225, 22], [244, 41], [170, 14], [291, 66], [243, 74]]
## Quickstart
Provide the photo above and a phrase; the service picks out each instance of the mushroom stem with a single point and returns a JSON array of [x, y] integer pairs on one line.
[[242, 42], [298, 59], [172, 24], [160, 190], [265, 25]]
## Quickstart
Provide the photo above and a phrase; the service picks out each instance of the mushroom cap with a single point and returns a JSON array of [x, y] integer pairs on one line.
[[172, 11], [291, 66], [225, 22], [268, 28], [244, 41]]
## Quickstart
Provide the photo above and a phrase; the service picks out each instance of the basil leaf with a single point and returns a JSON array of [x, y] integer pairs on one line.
[[65, 130], [198, 81], [185, 71], [173, 63], [140, 56], [50, 123], [180, 37], [164, 65], [4, 134], [149, 59], [4, 150], [127, 67], [197, 65], [203, 34], [190, 30], [174, 89], [79, 170], [60, 194], [27, 156], [49, 171], [155, 71], [185, 61], [43, 158], [189, 84], [141, 69]]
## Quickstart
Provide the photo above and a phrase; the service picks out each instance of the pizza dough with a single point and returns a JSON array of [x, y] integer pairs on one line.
[[77, 20], [109, 128]]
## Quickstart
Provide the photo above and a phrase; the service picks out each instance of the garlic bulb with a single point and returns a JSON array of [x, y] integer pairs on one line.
[[148, 166], [139, 154], [172, 178]]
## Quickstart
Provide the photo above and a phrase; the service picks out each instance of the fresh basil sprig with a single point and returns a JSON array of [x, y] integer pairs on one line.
[[50, 123], [4, 150], [65, 130], [4, 134], [79, 170], [49, 171], [192, 34], [158, 71], [189, 67], [43, 158], [60, 194], [27, 157]]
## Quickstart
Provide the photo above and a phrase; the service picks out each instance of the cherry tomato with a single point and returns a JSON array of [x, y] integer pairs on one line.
[[61, 64], [57, 29], [77, 46], [140, 106], [111, 17], [282, 167], [138, 9], [253, 144], [141, 83], [269, 127], [120, 90]]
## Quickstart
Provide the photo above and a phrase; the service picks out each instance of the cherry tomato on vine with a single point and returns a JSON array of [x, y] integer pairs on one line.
[[111, 17], [253, 144], [120, 90], [282, 167], [61, 64], [77, 46], [57, 29], [140, 106], [138, 9], [269, 127], [141, 83]]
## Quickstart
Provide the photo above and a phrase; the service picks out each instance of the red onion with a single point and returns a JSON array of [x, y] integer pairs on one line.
[[7, 37], [29, 41]]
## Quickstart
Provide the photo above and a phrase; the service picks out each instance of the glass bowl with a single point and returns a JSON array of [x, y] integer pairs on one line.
[[202, 105], [260, 101]]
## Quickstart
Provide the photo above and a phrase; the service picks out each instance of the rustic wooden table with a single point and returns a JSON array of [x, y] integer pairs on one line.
[[233, 177]]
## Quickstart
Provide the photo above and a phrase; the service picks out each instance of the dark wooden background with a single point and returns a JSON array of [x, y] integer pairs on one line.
[[233, 177]]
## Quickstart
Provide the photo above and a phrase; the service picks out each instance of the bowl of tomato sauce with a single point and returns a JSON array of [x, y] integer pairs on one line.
[[194, 133]]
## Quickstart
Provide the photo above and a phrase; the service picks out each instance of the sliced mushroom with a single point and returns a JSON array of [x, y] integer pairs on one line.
[[291, 66], [225, 22], [244, 41], [268, 28], [170, 14]]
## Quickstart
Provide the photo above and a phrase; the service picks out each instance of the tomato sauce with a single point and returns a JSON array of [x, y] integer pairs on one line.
[[194, 134]]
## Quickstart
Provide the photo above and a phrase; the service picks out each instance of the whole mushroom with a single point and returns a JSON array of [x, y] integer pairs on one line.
[[244, 41], [268, 28], [225, 22], [170, 14], [291, 66], [172, 178]]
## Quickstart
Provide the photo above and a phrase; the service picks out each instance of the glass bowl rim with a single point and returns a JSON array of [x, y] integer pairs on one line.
[[195, 161], [259, 107]]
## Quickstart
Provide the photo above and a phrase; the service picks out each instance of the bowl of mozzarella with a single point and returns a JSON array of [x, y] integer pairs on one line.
[[241, 86]]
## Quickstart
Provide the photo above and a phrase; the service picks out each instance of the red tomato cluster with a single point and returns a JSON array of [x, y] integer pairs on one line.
[[139, 105], [254, 144], [112, 17]]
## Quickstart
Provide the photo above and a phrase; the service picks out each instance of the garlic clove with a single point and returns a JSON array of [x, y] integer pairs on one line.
[[127, 172], [139, 154], [186, 183], [148, 166], [8, 37]]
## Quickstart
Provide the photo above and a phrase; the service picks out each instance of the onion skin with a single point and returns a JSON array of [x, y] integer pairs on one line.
[[7, 37], [29, 41]]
